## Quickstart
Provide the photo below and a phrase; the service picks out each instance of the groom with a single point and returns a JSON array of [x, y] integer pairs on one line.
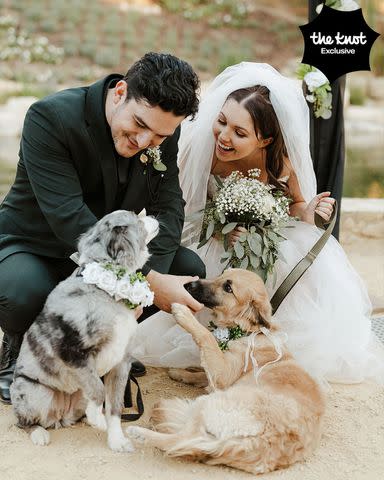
[[81, 157]]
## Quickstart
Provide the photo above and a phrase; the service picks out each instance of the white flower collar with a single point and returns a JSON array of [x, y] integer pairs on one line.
[[132, 288]]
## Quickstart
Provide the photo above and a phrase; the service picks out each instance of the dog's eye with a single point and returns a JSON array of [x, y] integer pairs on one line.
[[227, 287]]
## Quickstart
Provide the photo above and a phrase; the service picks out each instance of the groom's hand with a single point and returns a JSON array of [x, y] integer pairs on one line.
[[170, 289]]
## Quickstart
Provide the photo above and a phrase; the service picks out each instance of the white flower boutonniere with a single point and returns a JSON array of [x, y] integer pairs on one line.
[[153, 155]]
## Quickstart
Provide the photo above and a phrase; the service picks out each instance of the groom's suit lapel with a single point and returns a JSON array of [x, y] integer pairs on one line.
[[104, 151]]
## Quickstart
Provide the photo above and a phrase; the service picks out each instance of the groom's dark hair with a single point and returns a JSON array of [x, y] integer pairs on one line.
[[165, 81]]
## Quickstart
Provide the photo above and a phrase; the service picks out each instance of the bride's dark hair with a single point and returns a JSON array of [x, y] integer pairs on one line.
[[257, 103]]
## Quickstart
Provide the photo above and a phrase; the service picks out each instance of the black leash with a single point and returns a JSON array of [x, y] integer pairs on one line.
[[299, 270], [131, 417]]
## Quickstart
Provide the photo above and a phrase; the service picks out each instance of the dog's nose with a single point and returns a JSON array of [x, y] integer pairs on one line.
[[192, 286]]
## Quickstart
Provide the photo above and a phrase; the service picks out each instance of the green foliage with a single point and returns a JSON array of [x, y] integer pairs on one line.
[[377, 57], [227, 58], [71, 46], [48, 24], [89, 49], [217, 13], [26, 90], [107, 57], [171, 40]]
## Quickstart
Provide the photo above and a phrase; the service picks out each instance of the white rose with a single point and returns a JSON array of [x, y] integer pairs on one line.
[[221, 334], [310, 98], [315, 80], [348, 6], [327, 102], [123, 288], [107, 281], [150, 296], [138, 292], [326, 114], [91, 272]]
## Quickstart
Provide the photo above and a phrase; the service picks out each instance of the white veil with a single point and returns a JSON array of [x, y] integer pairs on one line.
[[196, 144]]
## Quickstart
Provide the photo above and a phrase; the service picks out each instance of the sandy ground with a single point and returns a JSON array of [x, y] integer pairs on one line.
[[351, 447]]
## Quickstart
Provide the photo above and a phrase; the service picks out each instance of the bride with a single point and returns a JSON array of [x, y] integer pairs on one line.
[[253, 117]]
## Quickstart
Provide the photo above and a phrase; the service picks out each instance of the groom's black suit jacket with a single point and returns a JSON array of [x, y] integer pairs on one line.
[[67, 179]]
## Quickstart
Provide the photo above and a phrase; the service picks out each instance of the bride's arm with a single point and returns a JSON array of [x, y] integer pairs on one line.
[[322, 204]]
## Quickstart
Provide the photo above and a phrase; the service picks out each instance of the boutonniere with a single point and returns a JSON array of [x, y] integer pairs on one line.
[[153, 155]]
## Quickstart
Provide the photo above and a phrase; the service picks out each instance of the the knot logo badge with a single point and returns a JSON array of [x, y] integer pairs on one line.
[[338, 42]]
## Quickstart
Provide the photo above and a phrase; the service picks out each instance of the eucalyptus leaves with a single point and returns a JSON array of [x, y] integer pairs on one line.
[[245, 201]]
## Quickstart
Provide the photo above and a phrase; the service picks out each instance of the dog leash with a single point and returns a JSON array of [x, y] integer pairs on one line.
[[131, 417], [298, 271]]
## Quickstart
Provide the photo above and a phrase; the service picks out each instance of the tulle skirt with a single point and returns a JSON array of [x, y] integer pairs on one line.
[[326, 316]]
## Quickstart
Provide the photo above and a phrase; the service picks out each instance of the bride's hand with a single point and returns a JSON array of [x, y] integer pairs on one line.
[[235, 235], [322, 204]]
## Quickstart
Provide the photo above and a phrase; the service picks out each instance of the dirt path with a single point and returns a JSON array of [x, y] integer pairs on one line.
[[352, 445]]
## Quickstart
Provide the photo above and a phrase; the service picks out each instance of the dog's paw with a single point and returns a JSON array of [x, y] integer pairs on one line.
[[95, 417], [182, 314], [99, 423], [136, 433], [40, 436], [120, 444]]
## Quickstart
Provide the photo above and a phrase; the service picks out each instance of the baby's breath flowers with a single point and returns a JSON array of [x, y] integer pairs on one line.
[[245, 201], [153, 155]]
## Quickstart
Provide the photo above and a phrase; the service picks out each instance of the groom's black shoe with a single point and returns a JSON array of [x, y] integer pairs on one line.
[[138, 369], [8, 355]]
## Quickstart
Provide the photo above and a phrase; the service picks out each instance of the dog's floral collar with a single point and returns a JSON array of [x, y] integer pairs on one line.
[[153, 155], [224, 335], [132, 288]]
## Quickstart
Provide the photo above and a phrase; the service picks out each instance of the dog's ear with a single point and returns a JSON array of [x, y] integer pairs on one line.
[[259, 313]]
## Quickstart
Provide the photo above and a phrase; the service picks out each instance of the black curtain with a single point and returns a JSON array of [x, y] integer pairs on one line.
[[327, 139]]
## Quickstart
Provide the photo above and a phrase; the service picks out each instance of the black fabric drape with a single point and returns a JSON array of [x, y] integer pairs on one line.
[[327, 140]]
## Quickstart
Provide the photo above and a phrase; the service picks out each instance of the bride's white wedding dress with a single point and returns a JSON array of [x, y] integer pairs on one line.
[[326, 316]]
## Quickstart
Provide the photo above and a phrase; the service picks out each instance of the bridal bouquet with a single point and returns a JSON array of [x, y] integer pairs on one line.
[[245, 201]]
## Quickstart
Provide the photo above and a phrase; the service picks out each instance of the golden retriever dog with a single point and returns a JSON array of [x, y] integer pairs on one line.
[[263, 411]]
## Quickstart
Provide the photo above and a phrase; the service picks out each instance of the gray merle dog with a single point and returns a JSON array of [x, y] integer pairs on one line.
[[81, 335]]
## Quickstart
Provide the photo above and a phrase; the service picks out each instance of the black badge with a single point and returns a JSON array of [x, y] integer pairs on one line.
[[338, 42]]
